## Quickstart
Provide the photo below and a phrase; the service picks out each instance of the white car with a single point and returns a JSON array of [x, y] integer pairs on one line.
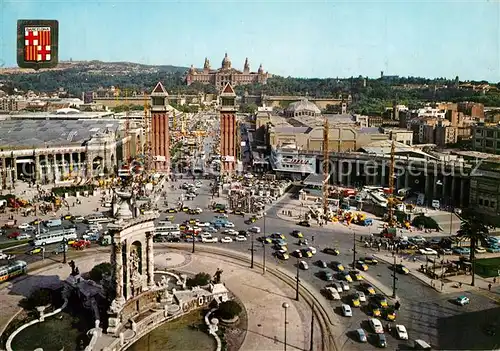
[[232, 232], [199, 210], [361, 296], [23, 226], [480, 249], [241, 238], [209, 240], [332, 293], [376, 325], [346, 310], [428, 251], [303, 265], [312, 250], [206, 235], [229, 225], [3, 256], [226, 240], [255, 230], [344, 285], [401, 332], [23, 237], [204, 224]]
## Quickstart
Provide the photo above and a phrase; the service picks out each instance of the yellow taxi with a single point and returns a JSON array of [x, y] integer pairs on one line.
[[35, 250], [338, 266], [278, 236], [355, 301], [307, 253], [282, 255], [71, 241], [170, 218], [182, 227], [356, 275], [382, 301], [390, 314], [346, 277], [369, 289], [362, 265], [375, 310]]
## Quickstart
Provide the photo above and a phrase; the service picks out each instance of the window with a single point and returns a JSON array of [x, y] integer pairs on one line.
[[481, 202]]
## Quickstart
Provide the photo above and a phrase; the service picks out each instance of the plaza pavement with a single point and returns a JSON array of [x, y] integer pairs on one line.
[[261, 295]]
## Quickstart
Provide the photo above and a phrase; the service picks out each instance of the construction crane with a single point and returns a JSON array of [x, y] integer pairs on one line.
[[390, 202], [127, 130], [326, 168]]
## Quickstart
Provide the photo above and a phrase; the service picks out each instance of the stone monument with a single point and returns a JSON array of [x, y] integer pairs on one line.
[[132, 258]]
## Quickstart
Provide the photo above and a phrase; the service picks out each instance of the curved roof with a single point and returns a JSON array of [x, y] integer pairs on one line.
[[303, 105], [67, 110]]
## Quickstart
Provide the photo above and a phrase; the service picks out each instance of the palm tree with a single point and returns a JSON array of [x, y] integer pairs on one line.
[[474, 228]]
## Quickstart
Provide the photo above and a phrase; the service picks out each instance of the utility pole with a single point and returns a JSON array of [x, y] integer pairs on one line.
[[311, 341], [354, 250], [65, 248], [264, 247], [394, 279], [251, 249], [194, 237], [298, 281]]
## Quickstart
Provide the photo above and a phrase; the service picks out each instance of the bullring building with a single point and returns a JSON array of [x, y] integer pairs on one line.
[[63, 146]]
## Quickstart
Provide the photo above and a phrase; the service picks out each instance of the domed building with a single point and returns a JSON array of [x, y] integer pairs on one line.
[[226, 74], [302, 108]]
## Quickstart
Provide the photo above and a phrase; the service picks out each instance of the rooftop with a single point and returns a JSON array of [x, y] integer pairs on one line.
[[41, 133], [62, 114]]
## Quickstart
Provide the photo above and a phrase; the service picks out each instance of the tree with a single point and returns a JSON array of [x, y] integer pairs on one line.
[[248, 108], [199, 279], [229, 309], [474, 228], [39, 297], [101, 270]]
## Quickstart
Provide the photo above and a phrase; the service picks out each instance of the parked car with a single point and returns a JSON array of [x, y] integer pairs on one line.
[[361, 334], [331, 251], [462, 300], [326, 275], [331, 293], [376, 325], [23, 237], [381, 340], [401, 332], [303, 265], [346, 310], [226, 240], [428, 251]]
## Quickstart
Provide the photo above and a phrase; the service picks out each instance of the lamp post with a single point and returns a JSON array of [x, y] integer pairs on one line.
[[65, 247], [264, 248], [252, 250], [297, 281], [194, 237], [354, 249], [285, 307]]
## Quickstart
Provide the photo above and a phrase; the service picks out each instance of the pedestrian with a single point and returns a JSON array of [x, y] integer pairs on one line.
[[489, 287], [494, 280]]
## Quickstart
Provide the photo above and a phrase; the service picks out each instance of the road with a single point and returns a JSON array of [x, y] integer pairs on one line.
[[427, 314]]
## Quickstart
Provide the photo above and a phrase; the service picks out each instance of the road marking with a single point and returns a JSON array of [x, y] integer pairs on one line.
[[490, 295]]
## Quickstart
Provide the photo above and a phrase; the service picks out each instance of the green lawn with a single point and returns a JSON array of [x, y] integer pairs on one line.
[[488, 267], [14, 242]]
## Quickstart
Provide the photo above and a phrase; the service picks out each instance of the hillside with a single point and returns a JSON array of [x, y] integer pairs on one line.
[[79, 76]]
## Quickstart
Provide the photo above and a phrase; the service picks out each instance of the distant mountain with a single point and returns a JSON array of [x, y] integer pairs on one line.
[[95, 65], [78, 76]]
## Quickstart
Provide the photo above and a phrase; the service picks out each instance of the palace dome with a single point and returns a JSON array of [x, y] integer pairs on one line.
[[302, 107]]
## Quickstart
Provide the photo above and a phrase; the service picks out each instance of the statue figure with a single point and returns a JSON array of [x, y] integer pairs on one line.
[[217, 276], [135, 276], [74, 269]]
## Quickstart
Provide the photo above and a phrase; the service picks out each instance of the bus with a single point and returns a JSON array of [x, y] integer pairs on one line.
[[55, 236], [12, 270], [168, 226], [99, 218]]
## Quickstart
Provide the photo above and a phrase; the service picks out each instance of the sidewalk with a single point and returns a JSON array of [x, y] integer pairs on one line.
[[261, 295], [449, 284]]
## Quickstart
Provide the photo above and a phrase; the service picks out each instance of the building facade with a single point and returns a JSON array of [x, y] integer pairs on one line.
[[226, 74], [159, 129], [228, 129]]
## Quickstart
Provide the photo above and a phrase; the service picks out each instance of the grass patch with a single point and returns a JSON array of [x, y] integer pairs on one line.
[[8, 244], [488, 267]]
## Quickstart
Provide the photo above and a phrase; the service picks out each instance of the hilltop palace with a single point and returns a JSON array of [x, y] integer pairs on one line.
[[226, 74]]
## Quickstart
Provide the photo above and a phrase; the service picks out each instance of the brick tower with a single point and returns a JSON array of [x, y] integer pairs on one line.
[[228, 130], [160, 135]]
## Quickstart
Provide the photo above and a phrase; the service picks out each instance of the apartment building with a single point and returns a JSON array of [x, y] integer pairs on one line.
[[486, 138]]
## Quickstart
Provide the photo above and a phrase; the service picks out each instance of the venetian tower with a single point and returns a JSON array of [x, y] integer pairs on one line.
[[160, 133], [228, 126]]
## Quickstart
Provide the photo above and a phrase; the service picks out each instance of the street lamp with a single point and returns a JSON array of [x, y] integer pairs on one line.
[[65, 243], [298, 280], [264, 248], [354, 249], [252, 250], [285, 306]]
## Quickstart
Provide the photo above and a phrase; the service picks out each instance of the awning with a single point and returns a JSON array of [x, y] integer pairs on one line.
[[25, 160]]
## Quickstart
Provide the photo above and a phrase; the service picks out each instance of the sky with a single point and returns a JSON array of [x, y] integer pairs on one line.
[[297, 38]]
